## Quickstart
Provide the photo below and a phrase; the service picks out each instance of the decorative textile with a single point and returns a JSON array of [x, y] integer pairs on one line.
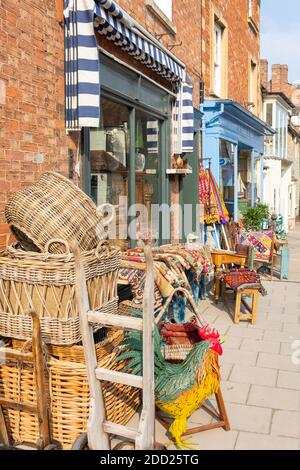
[[236, 277], [137, 278], [218, 203], [261, 242], [215, 210], [239, 279], [174, 266]]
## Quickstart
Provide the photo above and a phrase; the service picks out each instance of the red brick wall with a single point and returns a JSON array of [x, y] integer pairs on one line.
[[243, 42], [32, 134], [280, 83]]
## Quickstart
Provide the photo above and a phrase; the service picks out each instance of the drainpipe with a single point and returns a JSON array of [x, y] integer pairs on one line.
[[262, 178], [252, 178]]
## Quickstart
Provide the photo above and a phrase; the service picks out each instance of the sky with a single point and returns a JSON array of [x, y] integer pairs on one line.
[[280, 34]]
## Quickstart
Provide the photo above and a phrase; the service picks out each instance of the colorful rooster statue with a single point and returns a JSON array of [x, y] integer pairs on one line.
[[180, 389]]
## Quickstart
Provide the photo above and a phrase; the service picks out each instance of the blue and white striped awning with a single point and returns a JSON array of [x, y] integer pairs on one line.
[[112, 23], [82, 66], [82, 63], [183, 118]]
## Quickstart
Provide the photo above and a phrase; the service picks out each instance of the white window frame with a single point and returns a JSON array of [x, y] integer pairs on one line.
[[166, 6], [218, 33]]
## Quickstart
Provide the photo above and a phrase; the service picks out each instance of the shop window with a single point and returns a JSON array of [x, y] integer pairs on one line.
[[147, 173], [166, 7], [111, 168], [109, 148], [253, 86]]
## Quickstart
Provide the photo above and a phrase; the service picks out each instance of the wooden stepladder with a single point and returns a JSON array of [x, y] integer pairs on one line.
[[99, 429]]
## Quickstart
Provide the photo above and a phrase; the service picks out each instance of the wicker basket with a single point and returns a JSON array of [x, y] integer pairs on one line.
[[176, 352], [69, 394], [46, 283], [54, 208]]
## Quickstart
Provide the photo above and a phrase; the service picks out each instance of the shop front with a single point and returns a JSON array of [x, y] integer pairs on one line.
[[131, 123], [233, 146]]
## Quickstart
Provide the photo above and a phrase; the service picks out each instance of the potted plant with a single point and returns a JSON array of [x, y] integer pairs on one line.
[[254, 216]]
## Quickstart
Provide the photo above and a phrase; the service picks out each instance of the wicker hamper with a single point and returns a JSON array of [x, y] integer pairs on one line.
[[53, 208], [46, 283], [69, 393]]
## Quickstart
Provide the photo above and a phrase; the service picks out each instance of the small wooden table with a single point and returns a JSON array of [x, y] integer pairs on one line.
[[220, 257]]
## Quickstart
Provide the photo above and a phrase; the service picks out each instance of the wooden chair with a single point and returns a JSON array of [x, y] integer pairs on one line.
[[270, 263]]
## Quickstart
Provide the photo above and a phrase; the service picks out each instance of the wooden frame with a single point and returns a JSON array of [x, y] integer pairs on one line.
[[98, 428]]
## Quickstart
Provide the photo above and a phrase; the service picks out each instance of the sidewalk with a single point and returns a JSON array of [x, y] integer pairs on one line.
[[261, 385], [294, 246]]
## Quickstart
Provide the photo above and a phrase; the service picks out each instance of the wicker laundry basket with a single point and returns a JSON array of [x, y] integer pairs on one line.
[[54, 208], [46, 283], [69, 393]]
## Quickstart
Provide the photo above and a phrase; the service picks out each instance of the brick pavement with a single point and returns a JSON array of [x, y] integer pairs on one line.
[[261, 385]]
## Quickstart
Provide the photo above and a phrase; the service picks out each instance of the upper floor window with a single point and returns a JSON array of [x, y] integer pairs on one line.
[[217, 59], [166, 7], [277, 117], [269, 114], [253, 85]]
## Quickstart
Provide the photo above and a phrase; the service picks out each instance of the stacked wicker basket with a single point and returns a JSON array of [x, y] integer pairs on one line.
[[38, 272]]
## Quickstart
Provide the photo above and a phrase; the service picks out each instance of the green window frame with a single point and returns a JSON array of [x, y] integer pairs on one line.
[[131, 89]]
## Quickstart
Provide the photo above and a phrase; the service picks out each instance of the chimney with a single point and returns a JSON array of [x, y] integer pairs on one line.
[[264, 73], [279, 77]]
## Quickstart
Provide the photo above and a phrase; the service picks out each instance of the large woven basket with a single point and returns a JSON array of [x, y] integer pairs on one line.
[[53, 208], [69, 394], [46, 284]]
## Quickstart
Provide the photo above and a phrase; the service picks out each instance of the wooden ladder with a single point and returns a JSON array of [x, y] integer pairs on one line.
[[98, 428]]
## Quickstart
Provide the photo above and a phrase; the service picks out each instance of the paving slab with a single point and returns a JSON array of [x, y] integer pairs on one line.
[[252, 441], [252, 333], [254, 375], [236, 356], [234, 392], [289, 380], [256, 345], [286, 423], [249, 418], [276, 361], [276, 398]]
